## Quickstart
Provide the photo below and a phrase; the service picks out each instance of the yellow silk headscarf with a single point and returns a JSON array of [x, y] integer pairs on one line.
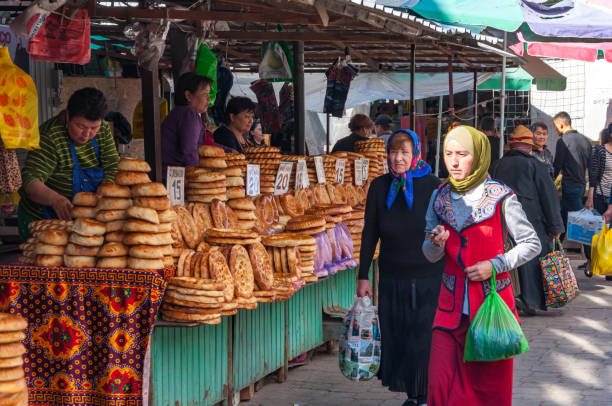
[[477, 144]]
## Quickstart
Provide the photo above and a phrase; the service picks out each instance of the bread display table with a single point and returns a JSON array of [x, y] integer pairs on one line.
[[88, 331]]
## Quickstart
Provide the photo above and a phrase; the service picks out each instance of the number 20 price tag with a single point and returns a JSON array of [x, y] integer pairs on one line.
[[281, 185], [252, 180], [175, 184]]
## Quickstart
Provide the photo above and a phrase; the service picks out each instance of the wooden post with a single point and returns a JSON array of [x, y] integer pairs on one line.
[[327, 134], [299, 98], [502, 107], [412, 97], [451, 98], [475, 99], [151, 125]]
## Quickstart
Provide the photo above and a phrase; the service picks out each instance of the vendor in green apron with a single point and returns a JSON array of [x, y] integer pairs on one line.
[[76, 154]]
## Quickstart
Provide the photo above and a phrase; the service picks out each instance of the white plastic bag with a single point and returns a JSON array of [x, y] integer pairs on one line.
[[359, 357], [583, 224]]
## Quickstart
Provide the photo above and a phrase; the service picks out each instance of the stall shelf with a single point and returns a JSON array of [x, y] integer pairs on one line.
[[305, 324]]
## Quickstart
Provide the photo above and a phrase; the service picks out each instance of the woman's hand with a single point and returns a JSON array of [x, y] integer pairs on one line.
[[62, 207], [589, 204], [438, 235], [480, 271], [607, 216], [364, 288]]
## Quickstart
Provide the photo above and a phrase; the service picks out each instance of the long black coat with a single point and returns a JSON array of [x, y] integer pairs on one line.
[[536, 192]]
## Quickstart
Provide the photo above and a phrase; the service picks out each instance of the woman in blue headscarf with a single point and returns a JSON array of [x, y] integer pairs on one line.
[[408, 283]]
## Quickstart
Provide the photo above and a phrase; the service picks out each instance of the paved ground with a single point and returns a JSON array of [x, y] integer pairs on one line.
[[569, 363]]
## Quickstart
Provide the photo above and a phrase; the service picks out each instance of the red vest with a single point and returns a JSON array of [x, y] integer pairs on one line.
[[481, 239]]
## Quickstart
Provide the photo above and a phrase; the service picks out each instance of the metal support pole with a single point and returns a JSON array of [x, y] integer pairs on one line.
[[503, 101], [327, 134], [439, 136], [451, 97], [475, 99], [151, 126], [298, 89], [412, 97]]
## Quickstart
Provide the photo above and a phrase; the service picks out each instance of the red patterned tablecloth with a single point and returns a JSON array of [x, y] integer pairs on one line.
[[88, 330]]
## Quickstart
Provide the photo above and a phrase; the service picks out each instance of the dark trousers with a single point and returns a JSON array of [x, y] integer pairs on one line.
[[571, 200]]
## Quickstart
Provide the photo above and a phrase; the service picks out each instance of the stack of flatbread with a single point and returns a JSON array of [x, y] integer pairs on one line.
[[292, 255], [132, 172], [13, 389], [355, 225], [148, 238], [307, 224], [374, 150], [84, 205], [268, 159], [224, 236], [113, 202], [85, 240], [47, 244], [244, 280], [236, 160], [244, 210], [204, 185]]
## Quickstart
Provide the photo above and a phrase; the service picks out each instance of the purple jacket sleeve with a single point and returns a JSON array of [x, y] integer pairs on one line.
[[190, 130]]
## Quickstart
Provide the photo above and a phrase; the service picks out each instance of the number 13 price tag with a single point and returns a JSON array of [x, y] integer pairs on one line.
[[340, 167], [252, 180], [301, 175], [175, 184], [318, 160], [281, 185]]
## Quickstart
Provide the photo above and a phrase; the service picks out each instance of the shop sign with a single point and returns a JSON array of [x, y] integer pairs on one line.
[[340, 167], [175, 184], [252, 179], [281, 185], [318, 160], [301, 175]]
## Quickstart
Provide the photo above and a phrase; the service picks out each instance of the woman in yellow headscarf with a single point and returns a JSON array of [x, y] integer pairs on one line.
[[465, 221]]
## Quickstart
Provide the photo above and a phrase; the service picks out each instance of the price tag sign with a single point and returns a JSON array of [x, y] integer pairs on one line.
[[301, 175], [318, 160], [365, 169], [281, 184], [252, 179], [175, 184], [358, 172], [385, 166], [340, 167]]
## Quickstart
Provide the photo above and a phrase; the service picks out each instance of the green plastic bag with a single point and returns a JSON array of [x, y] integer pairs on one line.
[[206, 65], [494, 333]]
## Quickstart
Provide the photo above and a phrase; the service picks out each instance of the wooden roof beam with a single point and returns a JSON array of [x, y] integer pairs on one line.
[[346, 37], [319, 5], [341, 45]]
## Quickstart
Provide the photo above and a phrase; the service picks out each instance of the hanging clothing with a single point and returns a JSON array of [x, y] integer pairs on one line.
[[225, 81], [285, 102], [339, 77], [267, 106], [10, 175]]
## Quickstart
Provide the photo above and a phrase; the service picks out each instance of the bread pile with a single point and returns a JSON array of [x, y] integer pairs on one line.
[[203, 185], [355, 225], [268, 159], [113, 202], [85, 240], [303, 245], [84, 205], [306, 224], [329, 164], [46, 247], [374, 150], [244, 210], [236, 160], [13, 389], [225, 236], [235, 182]]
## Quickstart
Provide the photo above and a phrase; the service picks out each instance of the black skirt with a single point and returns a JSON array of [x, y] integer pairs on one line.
[[406, 310]]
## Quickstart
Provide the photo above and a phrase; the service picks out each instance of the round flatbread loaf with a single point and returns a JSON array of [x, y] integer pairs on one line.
[[131, 178], [245, 214], [212, 163], [80, 250], [204, 192], [106, 216], [140, 226], [139, 263], [114, 203], [232, 241], [113, 249], [207, 198], [146, 252], [12, 322], [156, 203], [112, 262], [12, 361], [47, 249], [218, 269], [108, 189], [147, 239], [87, 199], [218, 212], [88, 227], [87, 241], [289, 240], [53, 237], [201, 216], [116, 225], [305, 222], [191, 235], [115, 236], [241, 204], [79, 261], [167, 216], [14, 387], [153, 189], [83, 212], [211, 151], [231, 171], [133, 165], [236, 192], [49, 260], [234, 181], [203, 175], [227, 233], [246, 224], [143, 213], [242, 271], [262, 268], [207, 185]]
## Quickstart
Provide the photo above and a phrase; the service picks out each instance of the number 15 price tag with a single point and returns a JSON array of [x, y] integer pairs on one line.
[[252, 180], [340, 167], [175, 184], [281, 185]]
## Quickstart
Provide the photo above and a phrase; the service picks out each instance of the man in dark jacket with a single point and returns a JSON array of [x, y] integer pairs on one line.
[[529, 179]]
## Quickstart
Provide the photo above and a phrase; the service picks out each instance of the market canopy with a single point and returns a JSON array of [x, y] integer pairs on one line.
[[535, 71]]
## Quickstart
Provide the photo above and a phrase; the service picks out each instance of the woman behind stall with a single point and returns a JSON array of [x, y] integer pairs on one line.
[[256, 135], [238, 121], [361, 127], [464, 221], [182, 130], [408, 283]]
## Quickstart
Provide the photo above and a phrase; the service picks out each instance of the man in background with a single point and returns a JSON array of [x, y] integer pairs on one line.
[[382, 127], [487, 126], [541, 151]]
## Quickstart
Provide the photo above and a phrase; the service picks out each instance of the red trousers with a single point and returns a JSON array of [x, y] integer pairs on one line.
[[453, 382]]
